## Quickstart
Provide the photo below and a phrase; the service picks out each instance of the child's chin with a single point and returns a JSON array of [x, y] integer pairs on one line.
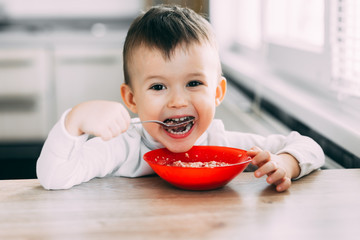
[[179, 148]]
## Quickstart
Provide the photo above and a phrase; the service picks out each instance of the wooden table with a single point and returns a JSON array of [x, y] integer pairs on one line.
[[323, 205]]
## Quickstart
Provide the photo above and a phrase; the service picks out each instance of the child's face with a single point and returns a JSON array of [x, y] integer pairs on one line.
[[186, 86]]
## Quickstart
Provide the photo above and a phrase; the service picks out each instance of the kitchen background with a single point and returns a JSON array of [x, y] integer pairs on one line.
[[56, 54]]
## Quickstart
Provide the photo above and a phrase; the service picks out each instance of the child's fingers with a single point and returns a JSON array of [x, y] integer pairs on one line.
[[268, 168], [261, 158], [283, 185], [253, 151], [105, 134], [276, 176], [123, 118], [115, 129]]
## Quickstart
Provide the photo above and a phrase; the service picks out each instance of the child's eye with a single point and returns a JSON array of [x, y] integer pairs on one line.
[[157, 87], [194, 84]]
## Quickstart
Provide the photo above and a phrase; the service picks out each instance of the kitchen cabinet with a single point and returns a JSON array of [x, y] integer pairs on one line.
[[38, 84], [86, 73], [42, 75], [24, 93]]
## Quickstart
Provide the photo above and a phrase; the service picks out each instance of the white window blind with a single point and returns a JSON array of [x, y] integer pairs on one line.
[[346, 46]]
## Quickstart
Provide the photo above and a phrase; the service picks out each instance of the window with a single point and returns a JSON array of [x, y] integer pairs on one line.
[[304, 59], [296, 23], [345, 26], [248, 30], [297, 40], [315, 42]]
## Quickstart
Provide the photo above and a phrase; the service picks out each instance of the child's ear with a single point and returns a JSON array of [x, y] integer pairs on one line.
[[220, 91], [128, 97]]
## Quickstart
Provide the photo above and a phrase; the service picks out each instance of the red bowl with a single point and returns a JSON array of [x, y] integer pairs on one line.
[[198, 178]]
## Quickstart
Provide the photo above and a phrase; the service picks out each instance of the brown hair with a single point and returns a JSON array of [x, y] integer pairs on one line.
[[163, 28]]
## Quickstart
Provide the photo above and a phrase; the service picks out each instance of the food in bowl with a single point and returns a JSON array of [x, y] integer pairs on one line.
[[195, 170], [210, 164]]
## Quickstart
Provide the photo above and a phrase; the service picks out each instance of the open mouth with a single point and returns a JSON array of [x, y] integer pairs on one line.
[[182, 129]]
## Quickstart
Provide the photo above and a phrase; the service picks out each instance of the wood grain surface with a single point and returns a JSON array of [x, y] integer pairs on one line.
[[323, 205]]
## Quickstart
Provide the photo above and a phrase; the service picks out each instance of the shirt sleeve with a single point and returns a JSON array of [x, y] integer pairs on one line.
[[306, 151], [67, 160]]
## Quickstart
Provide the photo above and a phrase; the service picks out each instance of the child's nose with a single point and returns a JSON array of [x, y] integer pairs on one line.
[[178, 99]]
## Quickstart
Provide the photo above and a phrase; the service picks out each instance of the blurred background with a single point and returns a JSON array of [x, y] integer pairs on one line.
[[290, 65]]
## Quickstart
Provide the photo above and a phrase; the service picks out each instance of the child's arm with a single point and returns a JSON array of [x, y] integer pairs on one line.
[[280, 169], [68, 158], [103, 119], [294, 155]]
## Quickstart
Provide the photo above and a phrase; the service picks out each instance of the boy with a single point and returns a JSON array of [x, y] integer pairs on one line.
[[172, 74]]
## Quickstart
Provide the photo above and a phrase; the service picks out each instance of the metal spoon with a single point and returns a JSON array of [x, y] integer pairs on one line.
[[168, 126]]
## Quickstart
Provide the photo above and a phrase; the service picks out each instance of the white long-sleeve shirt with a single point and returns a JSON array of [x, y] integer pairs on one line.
[[67, 160]]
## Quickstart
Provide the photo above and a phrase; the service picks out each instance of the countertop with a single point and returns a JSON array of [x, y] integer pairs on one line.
[[322, 205]]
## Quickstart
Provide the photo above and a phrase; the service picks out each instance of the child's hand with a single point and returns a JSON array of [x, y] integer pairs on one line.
[[103, 119], [280, 169]]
